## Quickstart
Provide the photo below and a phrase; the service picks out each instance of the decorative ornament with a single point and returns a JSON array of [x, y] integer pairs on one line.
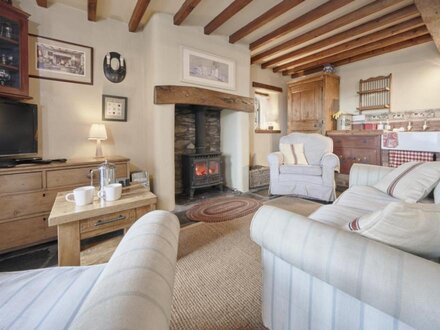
[[115, 67], [328, 68]]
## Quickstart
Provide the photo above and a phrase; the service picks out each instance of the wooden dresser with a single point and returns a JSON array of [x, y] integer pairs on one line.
[[311, 102], [27, 193], [355, 147]]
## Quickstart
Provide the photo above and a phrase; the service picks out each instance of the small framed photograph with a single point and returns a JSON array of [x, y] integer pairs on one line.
[[114, 108]]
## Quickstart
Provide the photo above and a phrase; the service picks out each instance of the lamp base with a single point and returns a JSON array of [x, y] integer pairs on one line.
[[98, 153]]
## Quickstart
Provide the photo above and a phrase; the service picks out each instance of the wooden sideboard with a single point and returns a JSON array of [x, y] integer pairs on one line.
[[356, 147], [27, 193]]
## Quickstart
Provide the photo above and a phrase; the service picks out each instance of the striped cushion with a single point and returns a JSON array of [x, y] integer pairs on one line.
[[412, 181], [44, 298], [293, 154], [414, 228]]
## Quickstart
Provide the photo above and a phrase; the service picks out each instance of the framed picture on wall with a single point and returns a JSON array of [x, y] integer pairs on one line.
[[207, 69], [59, 60], [114, 108]]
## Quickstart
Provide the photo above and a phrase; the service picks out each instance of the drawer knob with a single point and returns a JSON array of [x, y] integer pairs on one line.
[[104, 222]]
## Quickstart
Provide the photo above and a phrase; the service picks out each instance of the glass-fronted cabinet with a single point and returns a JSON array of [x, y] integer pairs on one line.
[[14, 79]]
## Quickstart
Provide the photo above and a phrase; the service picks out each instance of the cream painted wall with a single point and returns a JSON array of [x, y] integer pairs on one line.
[[163, 67], [415, 81], [263, 144], [67, 109]]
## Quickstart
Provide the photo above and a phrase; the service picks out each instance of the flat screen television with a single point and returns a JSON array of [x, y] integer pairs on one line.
[[18, 129]]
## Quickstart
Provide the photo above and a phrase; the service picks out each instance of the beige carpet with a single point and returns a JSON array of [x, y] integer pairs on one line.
[[218, 279]]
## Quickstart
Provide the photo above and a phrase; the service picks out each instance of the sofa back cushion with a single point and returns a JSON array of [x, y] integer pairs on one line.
[[315, 145], [411, 227], [411, 182]]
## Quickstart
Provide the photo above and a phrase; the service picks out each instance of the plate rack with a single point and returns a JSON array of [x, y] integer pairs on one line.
[[375, 93]]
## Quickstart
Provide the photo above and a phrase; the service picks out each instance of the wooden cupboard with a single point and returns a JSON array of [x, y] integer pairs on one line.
[[14, 75], [27, 193], [310, 103]]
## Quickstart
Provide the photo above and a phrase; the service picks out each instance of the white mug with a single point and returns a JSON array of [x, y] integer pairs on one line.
[[111, 192], [81, 196]]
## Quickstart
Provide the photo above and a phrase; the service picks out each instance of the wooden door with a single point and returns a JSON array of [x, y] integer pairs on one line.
[[305, 107]]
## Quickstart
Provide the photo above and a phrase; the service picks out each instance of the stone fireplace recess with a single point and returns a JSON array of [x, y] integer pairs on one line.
[[198, 147]]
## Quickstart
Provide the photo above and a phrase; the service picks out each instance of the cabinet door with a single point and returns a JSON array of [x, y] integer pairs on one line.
[[14, 81], [305, 107]]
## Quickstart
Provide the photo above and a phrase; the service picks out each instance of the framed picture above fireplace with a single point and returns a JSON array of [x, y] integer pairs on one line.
[[207, 69]]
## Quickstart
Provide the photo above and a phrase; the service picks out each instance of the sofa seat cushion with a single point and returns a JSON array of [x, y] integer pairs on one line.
[[301, 169], [337, 215], [365, 198], [45, 298]]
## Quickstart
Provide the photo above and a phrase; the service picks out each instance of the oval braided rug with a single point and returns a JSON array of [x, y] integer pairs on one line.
[[223, 209]]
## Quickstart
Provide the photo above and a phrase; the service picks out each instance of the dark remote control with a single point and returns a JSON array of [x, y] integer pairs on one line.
[[60, 160]]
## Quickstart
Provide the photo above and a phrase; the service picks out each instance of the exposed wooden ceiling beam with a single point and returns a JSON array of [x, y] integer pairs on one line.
[[263, 19], [136, 16], [225, 15], [91, 10], [386, 20], [184, 11], [358, 14], [42, 3], [380, 51], [414, 33], [430, 10], [368, 39], [305, 19]]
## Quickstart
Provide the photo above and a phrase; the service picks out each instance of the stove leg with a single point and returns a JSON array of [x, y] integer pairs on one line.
[[220, 186], [191, 193]]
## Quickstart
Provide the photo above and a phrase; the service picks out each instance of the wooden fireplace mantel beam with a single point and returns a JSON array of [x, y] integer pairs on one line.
[[169, 94]]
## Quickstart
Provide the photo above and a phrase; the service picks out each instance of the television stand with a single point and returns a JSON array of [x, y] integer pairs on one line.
[[12, 162], [7, 163]]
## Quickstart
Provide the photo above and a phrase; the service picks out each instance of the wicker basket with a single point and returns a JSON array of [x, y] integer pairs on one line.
[[259, 176]]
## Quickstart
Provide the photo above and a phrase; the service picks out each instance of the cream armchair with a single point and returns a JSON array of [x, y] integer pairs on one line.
[[315, 180]]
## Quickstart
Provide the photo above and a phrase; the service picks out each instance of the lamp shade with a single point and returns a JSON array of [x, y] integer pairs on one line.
[[98, 132]]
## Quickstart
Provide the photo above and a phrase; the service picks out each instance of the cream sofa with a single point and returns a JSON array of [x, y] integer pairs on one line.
[[315, 180], [132, 291], [317, 276]]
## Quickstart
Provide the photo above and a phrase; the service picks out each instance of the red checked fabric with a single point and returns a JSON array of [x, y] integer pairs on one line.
[[398, 157]]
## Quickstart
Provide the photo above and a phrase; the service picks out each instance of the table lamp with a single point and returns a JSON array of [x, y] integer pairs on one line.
[[98, 132]]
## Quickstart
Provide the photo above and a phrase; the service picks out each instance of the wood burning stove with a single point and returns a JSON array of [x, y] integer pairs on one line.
[[201, 169]]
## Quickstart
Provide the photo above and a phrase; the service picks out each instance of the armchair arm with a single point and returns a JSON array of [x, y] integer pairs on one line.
[[136, 286], [275, 159], [367, 175], [400, 284], [330, 164]]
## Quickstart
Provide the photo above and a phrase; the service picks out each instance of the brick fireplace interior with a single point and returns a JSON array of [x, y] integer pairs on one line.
[[197, 154]]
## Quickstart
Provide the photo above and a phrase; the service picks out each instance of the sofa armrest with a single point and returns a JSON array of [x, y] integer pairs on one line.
[[367, 175], [400, 284], [136, 286]]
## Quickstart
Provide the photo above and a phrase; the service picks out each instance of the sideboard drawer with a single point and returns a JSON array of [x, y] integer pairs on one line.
[[19, 233], [12, 183], [356, 141], [79, 176], [107, 223], [19, 205]]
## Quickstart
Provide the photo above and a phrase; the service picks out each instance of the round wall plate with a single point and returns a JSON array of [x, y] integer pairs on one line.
[[115, 67]]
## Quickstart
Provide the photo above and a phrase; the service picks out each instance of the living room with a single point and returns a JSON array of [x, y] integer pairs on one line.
[[137, 55]]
